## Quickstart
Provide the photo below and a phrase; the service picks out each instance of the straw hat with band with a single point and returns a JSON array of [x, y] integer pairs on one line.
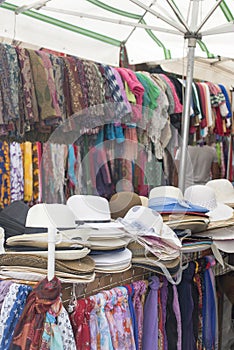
[[204, 196]]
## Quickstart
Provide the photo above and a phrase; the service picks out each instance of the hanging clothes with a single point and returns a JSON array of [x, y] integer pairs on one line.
[[29, 329]]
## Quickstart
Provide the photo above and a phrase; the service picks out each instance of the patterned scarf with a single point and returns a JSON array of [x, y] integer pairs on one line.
[[29, 95], [28, 172], [35, 163], [5, 182], [28, 331], [16, 172]]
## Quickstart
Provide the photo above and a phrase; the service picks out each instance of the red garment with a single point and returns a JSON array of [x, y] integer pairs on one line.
[[80, 323], [202, 105]]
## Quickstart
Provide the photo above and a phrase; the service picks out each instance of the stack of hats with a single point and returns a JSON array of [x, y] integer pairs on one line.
[[153, 244], [185, 217], [215, 196], [31, 249], [107, 238], [32, 267]]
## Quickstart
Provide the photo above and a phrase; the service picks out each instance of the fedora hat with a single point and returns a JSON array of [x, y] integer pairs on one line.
[[166, 191], [121, 202], [89, 208], [224, 191], [169, 199], [53, 214], [94, 212], [204, 196]]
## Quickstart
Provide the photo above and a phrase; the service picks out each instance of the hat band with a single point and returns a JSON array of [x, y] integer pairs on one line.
[[82, 222]]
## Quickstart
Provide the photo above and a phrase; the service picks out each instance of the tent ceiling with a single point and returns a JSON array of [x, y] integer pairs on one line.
[[95, 30]]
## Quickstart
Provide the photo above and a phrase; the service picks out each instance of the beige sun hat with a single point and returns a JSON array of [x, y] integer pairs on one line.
[[78, 266], [121, 202]]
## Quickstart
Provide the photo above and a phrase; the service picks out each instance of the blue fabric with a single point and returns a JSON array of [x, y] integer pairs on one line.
[[71, 164], [51, 335], [15, 314], [167, 204], [133, 316], [119, 133], [208, 313], [228, 103]]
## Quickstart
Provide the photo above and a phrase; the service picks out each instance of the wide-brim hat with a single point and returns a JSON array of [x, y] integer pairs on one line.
[[59, 254], [223, 189], [226, 246], [152, 264], [8, 273], [139, 249], [220, 233], [204, 196], [145, 221], [121, 202], [194, 223], [113, 259], [78, 266], [170, 205]]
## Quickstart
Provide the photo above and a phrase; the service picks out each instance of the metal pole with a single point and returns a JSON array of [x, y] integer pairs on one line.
[[186, 112]]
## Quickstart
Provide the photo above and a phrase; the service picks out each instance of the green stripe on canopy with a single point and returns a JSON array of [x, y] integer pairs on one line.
[[205, 49], [64, 25], [167, 53], [226, 11]]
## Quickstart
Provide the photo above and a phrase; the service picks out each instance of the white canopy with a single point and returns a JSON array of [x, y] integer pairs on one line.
[[93, 29]]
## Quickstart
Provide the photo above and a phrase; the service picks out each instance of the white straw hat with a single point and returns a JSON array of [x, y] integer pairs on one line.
[[53, 214], [89, 208], [204, 196], [166, 191], [224, 190]]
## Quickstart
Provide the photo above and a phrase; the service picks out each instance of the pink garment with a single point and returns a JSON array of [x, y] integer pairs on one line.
[[39, 152], [136, 88], [139, 290], [178, 106]]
